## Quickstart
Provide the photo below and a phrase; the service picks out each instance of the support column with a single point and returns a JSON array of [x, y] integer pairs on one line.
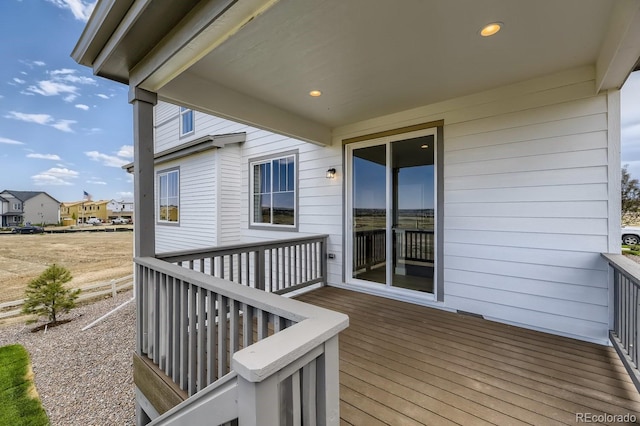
[[143, 171]]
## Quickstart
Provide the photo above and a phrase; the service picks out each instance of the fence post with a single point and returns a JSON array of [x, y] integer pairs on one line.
[[113, 289]]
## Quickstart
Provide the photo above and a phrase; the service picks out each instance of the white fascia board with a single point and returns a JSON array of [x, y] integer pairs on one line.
[[91, 40], [127, 22], [209, 97], [620, 49]]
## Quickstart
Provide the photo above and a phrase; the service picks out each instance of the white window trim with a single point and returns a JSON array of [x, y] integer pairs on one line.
[[267, 159], [159, 174], [184, 111]]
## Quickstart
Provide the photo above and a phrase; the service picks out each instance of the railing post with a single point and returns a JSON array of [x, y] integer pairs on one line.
[[323, 259], [329, 384], [260, 402]]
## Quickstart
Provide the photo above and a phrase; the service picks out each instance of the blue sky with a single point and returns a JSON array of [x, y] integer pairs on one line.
[[62, 130]]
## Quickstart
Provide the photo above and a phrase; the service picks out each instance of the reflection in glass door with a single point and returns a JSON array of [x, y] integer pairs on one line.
[[369, 213], [392, 211], [413, 173]]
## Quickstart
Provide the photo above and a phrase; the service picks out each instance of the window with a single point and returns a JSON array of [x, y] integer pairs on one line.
[[273, 191], [169, 196], [186, 121], [16, 206]]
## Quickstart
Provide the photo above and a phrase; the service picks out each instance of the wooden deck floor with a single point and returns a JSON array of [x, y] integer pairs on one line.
[[403, 364]]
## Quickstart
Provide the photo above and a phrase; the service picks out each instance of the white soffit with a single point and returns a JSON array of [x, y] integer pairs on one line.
[[374, 58]]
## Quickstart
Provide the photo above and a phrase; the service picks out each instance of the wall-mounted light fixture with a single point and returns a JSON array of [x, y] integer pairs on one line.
[[331, 173]]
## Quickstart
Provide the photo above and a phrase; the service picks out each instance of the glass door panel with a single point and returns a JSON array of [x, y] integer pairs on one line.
[[413, 213], [369, 213]]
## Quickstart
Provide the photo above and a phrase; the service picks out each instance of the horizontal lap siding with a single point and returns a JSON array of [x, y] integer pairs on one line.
[[526, 199], [197, 227], [319, 199], [230, 187]]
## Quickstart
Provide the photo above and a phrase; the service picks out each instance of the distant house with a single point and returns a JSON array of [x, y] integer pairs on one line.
[[121, 208], [28, 206], [81, 211]]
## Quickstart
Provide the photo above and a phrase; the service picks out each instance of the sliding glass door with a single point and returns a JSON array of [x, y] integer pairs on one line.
[[391, 211]]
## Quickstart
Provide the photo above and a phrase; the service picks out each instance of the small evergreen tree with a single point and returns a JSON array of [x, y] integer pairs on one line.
[[46, 295]]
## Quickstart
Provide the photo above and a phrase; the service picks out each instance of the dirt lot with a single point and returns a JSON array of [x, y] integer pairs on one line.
[[92, 257]]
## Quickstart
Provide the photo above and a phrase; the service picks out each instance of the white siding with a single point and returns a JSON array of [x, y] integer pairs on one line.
[[526, 198], [230, 187], [198, 217]]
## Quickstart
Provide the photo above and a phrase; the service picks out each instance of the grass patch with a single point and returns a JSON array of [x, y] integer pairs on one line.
[[19, 401]]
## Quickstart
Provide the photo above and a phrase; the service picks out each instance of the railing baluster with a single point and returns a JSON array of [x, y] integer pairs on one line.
[[263, 324], [177, 304], [193, 342], [247, 325], [202, 339], [171, 282], [156, 317], [211, 337], [184, 335], [234, 329], [222, 335]]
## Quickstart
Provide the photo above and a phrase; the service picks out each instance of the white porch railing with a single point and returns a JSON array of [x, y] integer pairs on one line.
[[277, 266], [625, 335], [278, 355]]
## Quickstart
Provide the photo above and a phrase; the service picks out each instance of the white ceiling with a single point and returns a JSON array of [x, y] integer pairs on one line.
[[371, 58]]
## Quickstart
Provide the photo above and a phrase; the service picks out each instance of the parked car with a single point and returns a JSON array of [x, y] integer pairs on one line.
[[630, 235], [120, 221], [94, 221], [28, 229]]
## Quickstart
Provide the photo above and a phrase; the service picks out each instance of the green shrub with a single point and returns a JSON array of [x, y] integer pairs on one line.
[[47, 296]]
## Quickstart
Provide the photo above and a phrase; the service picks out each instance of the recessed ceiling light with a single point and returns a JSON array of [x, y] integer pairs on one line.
[[315, 93], [425, 146], [491, 29]]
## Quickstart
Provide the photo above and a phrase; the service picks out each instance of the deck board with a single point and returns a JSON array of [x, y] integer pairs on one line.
[[407, 364]]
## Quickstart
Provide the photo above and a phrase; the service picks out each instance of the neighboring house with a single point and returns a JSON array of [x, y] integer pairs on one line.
[[470, 174], [77, 212], [29, 206], [120, 208]]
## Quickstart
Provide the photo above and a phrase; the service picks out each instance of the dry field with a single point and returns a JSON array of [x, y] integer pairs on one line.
[[92, 257]]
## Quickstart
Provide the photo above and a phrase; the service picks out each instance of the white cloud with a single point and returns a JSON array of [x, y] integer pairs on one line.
[[30, 118], [126, 151], [63, 71], [107, 160], [97, 182], [64, 125], [82, 107], [18, 80], [55, 176], [68, 75], [44, 156], [39, 63], [52, 88], [43, 119], [102, 95], [125, 194], [80, 9], [10, 141]]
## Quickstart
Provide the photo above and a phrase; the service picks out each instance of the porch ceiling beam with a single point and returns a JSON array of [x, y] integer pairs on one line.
[[209, 97], [620, 50], [205, 28]]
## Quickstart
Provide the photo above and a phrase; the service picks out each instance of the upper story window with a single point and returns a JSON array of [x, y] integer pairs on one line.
[[169, 196], [17, 206], [273, 191], [186, 121]]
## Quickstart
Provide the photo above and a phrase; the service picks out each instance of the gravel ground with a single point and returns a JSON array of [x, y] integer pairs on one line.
[[84, 377]]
